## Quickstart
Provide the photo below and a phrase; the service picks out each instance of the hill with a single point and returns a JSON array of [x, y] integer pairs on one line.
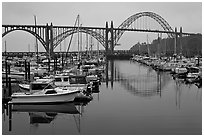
[[189, 46]]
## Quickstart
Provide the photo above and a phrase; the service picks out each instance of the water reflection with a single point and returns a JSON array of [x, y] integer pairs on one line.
[[146, 82], [41, 114], [131, 94]]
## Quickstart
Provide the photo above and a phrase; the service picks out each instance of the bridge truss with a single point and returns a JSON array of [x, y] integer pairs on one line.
[[51, 36]]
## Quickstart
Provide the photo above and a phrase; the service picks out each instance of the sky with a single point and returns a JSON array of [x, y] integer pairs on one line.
[[187, 15]]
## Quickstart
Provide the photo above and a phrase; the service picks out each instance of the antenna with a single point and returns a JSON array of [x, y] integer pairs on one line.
[[148, 46], [36, 38], [77, 19]]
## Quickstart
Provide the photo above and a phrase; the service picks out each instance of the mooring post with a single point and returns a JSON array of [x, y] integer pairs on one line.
[[9, 87], [107, 73], [112, 72], [62, 61], [6, 69], [25, 65], [9, 68], [28, 71], [158, 46], [10, 116], [54, 64]]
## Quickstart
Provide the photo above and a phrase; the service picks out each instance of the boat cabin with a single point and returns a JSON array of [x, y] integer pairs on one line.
[[41, 84], [69, 80]]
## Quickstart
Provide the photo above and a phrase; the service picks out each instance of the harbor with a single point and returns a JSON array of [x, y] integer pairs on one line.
[[140, 77], [134, 98]]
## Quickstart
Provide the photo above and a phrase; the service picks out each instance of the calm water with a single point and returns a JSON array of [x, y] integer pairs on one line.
[[135, 100]]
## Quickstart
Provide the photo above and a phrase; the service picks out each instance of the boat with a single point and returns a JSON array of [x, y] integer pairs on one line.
[[45, 113], [72, 82], [35, 86], [193, 74], [61, 80], [41, 92], [19, 76]]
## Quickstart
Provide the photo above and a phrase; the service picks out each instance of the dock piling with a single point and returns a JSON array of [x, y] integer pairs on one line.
[[25, 65]]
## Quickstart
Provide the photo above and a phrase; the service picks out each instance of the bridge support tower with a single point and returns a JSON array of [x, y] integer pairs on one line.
[[109, 44]]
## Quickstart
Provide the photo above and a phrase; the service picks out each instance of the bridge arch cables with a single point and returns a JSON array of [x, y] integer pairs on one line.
[[27, 28], [98, 34], [163, 23]]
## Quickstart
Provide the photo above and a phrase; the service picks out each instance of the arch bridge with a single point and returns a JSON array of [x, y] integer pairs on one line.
[[51, 36]]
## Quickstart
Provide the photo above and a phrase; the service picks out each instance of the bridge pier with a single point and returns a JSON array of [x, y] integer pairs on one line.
[[51, 41], [106, 39], [47, 39], [109, 49], [112, 39]]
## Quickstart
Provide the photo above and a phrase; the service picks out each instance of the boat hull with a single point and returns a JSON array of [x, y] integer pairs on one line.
[[22, 98]]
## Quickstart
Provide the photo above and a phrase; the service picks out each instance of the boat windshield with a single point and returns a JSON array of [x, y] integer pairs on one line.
[[58, 79], [77, 80], [65, 79], [40, 86]]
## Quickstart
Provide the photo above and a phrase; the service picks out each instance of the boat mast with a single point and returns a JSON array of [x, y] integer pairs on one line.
[[148, 46], [97, 50], [36, 41], [72, 34], [91, 46], [78, 39], [87, 44], [81, 41], [5, 47]]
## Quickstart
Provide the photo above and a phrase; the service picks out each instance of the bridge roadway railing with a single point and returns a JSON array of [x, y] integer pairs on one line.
[[101, 52]]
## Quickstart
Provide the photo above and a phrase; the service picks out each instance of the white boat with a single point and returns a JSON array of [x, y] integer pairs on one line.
[[46, 95], [193, 74], [61, 80], [72, 82], [35, 86]]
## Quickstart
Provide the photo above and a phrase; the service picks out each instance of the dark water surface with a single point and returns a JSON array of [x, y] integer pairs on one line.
[[135, 100]]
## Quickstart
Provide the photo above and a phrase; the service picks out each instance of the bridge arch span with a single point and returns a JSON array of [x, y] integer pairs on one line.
[[29, 31], [162, 22], [66, 34]]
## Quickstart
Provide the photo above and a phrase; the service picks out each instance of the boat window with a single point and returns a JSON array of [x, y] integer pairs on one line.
[[58, 79], [77, 80], [66, 79], [51, 92], [49, 87], [38, 86]]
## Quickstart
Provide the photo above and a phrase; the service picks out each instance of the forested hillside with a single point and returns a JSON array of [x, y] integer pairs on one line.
[[189, 46]]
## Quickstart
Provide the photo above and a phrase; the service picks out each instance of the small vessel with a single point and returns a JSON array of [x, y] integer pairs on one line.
[[72, 82], [193, 74], [41, 92], [35, 86]]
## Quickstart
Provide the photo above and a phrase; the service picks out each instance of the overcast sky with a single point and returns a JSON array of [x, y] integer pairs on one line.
[[188, 15]]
